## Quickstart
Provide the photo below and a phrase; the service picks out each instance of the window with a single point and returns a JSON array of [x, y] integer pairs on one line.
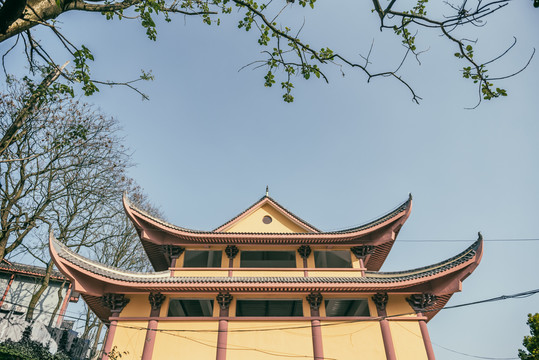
[[269, 308], [333, 259], [190, 307], [347, 307], [202, 258], [268, 259]]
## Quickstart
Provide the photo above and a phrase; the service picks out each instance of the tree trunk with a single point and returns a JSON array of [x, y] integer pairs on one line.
[[96, 339], [58, 304], [97, 355], [39, 292]]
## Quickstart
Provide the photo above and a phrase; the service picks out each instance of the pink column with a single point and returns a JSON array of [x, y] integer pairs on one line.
[[222, 337], [304, 251], [315, 300], [318, 349], [231, 251], [380, 300], [12, 277], [420, 302], [116, 303], [64, 306], [362, 266], [305, 266], [110, 337], [156, 300], [426, 339], [224, 300], [388, 340]]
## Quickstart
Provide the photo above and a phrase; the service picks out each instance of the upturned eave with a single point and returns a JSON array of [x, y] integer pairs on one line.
[[93, 279]]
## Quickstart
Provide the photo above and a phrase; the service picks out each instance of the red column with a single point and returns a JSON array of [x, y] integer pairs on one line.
[[426, 339], [7, 289], [421, 302], [110, 337], [224, 300], [231, 251], [230, 266], [362, 266], [388, 340], [222, 336], [315, 300], [304, 251], [116, 303], [318, 349], [64, 306], [380, 300], [149, 342], [156, 300]]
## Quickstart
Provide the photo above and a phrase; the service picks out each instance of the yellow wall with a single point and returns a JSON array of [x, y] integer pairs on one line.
[[397, 305], [253, 222], [138, 306], [129, 337], [196, 340], [281, 340], [407, 340], [353, 341]]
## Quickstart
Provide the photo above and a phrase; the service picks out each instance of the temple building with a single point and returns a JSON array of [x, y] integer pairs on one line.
[[267, 285]]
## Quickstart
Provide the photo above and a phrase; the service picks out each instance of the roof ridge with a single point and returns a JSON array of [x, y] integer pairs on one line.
[[399, 209]]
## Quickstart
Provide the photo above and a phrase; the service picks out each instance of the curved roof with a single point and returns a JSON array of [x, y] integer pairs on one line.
[[135, 213], [380, 232], [93, 279]]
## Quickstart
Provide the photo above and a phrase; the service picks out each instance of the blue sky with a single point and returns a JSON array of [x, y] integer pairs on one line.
[[212, 137]]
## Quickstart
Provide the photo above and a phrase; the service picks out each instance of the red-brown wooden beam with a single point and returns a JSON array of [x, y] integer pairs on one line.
[[12, 277], [64, 306], [426, 339]]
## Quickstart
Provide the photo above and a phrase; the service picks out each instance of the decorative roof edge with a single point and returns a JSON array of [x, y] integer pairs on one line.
[[476, 247], [61, 254], [404, 207], [58, 249]]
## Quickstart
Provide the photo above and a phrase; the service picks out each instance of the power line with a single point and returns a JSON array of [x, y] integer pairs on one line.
[[459, 352], [467, 241], [173, 332]]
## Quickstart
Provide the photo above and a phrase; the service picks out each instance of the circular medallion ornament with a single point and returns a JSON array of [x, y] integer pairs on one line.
[[267, 219]]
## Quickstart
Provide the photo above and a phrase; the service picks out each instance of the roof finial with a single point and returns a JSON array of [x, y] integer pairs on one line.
[[267, 190]]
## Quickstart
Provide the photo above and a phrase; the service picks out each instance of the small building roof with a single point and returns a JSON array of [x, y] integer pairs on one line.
[[29, 270]]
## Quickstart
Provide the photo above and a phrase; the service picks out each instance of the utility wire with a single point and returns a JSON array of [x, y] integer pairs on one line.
[[459, 352], [173, 332], [520, 295], [432, 240], [467, 241]]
